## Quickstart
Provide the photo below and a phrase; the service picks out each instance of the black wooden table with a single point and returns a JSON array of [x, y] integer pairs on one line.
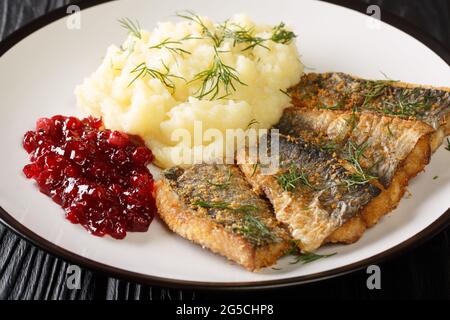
[[27, 272]]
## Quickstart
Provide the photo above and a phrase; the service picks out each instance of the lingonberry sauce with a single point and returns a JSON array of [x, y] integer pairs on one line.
[[98, 176]]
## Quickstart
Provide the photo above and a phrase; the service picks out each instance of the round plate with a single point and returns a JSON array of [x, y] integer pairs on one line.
[[39, 73]]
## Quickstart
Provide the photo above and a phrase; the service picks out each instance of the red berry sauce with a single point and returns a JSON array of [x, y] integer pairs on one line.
[[98, 176]]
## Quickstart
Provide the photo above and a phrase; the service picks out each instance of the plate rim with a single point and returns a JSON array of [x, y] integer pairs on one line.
[[22, 231]]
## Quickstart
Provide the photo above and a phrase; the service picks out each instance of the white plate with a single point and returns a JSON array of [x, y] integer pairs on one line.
[[38, 76]]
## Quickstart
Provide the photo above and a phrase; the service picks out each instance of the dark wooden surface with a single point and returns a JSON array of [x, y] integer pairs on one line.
[[424, 272]]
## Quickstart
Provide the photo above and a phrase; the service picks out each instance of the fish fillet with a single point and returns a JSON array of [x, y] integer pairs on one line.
[[215, 207], [310, 191]]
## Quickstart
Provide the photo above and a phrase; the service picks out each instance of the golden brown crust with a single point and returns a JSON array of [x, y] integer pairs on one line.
[[388, 198], [201, 230]]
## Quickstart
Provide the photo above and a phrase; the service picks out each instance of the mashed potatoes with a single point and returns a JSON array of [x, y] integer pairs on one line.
[[218, 75]]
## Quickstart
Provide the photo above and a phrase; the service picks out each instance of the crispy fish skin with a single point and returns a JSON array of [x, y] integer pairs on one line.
[[214, 206], [339, 91], [389, 197], [395, 151], [385, 142], [320, 203]]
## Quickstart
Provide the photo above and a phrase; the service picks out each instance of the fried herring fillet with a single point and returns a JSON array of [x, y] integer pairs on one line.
[[215, 207]]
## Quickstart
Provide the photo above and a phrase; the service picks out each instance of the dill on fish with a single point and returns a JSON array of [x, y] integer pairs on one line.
[[389, 129], [329, 147], [354, 155], [374, 89], [254, 229], [354, 117], [292, 178], [338, 106], [255, 167], [225, 205], [224, 184], [251, 226], [405, 106]]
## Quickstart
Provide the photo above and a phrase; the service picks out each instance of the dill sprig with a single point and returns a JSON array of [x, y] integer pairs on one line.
[[448, 145], [255, 167], [286, 93], [307, 257], [338, 106], [218, 76], [224, 184], [241, 35], [252, 123], [254, 229], [354, 155], [215, 37], [281, 35], [304, 257], [133, 28], [292, 178], [225, 205], [374, 89], [212, 205], [142, 70], [388, 126], [329, 146], [404, 106], [171, 45]]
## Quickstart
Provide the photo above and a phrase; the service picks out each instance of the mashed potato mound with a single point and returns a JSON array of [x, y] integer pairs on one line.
[[167, 95]]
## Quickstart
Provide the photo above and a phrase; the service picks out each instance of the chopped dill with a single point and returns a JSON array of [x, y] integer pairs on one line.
[[252, 123], [353, 120], [212, 205], [217, 76], [281, 35], [388, 126], [224, 184], [286, 93], [255, 167], [304, 257], [329, 146], [220, 77], [133, 28], [374, 89], [404, 106], [307, 257], [292, 178], [338, 106], [245, 36], [448, 145], [354, 155], [216, 38], [142, 70], [254, 229], [171, 45], [225, 205]]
